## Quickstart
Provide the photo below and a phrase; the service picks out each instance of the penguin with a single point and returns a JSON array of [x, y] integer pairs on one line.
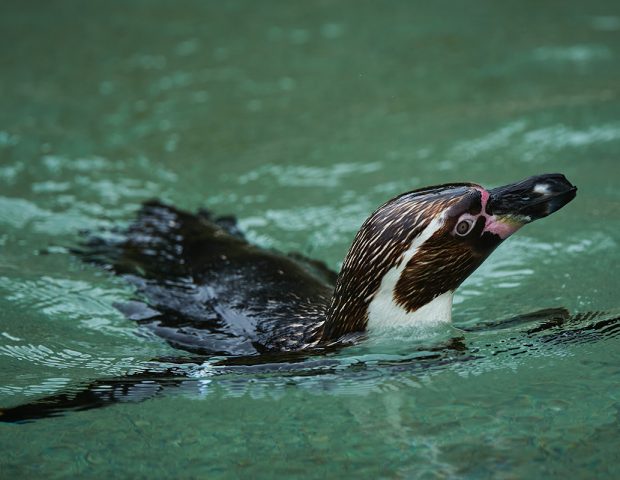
[[207, 290]]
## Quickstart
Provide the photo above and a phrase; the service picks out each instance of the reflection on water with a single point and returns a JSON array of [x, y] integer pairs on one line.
[[375, 365]]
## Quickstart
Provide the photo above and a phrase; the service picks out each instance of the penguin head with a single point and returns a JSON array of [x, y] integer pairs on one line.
[[482, 218], [472, 223], [417, 248]]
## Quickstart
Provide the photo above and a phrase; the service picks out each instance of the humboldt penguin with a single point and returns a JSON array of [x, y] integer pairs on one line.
[[207, 290]]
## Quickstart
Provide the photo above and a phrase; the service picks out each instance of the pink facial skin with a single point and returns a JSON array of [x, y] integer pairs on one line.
[[501, 226]]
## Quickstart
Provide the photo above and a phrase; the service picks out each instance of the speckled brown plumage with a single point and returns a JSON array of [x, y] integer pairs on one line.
[[207, 290], [378, 246]]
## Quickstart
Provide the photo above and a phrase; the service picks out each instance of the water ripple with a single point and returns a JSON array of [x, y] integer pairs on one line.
[[502, 137], [573, 53], [69, 359], [60, 297], [17, 212], [47, 386], [558, 137], [309, 176], [530, 143]]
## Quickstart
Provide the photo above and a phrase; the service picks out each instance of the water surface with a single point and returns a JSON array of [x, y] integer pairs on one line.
[[301, 118]]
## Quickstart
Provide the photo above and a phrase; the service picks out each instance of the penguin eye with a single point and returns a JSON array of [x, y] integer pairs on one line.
[[463, 227]]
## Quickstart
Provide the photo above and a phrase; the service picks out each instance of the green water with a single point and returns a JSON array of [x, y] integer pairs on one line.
[[300, 118]]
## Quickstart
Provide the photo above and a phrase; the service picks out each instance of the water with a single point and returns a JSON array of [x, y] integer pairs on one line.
[[300, 119]]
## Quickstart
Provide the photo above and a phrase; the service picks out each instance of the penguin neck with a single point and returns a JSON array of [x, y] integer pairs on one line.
[[387, 311], [365, 297], [384, 314]]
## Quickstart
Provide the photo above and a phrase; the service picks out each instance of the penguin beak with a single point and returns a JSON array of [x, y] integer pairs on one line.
[[514, 205]]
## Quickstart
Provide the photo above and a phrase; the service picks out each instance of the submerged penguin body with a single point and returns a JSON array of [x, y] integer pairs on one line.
[[209, 291], [206, 290]]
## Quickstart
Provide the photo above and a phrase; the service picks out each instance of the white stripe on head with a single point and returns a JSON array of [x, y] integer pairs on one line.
[[385, 313]]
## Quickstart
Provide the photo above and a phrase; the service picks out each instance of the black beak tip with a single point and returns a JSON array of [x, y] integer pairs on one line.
[[535, 197], [555, 191], [558, 200], [555, 182]]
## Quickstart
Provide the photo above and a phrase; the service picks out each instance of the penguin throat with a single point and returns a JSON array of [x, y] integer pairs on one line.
[[381, 281], [387, 311], [385, 314]]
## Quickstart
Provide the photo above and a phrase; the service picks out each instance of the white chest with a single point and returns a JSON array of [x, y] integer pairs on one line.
[[385, 314], [383, 311]]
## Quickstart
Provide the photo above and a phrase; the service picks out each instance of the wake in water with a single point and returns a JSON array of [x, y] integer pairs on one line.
[[542, 333]]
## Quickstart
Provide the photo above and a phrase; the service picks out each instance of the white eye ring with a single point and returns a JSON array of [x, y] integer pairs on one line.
[[464, 227]]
